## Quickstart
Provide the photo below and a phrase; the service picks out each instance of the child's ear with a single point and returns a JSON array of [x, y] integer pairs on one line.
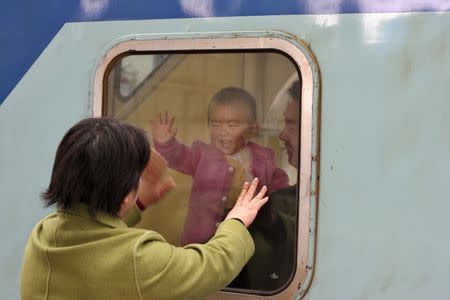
[[254, 129]]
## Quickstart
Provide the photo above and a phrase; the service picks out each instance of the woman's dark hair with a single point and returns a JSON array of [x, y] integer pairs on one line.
[[234, 95], [98, 162]]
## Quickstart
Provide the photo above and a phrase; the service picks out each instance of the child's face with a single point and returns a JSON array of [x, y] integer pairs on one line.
[[230, 127]]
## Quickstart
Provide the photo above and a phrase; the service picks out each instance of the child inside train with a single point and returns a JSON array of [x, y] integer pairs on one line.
[[219, 168]]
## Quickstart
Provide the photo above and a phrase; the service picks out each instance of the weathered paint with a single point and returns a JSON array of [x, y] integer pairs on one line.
[[385, 149]]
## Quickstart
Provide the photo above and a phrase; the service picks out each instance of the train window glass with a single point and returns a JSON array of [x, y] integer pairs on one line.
[[238, 113], [132, 71]]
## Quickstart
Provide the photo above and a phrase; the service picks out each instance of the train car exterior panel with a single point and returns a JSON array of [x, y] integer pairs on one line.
[[384, 147]]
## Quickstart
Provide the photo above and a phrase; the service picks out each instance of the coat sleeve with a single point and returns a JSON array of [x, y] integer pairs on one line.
[[180, 157], [279, 180], [164, 271], [265, 168]]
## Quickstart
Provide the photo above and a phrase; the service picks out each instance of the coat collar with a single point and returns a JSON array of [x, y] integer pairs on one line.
[[257, 152], [260, 152], [82, 210]]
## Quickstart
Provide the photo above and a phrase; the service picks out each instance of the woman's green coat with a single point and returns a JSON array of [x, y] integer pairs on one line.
[[71, 255]]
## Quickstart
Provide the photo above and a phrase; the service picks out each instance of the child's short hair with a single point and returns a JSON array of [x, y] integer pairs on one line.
[[234, 95]]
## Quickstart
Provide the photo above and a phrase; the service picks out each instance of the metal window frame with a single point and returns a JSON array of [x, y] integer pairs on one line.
[[309, 127]]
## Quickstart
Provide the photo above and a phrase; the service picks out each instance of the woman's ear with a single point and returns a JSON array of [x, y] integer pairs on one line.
[[128, 202], [131, 197]]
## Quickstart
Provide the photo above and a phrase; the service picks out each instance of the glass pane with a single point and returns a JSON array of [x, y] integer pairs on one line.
[[131, 72], [228, 111]]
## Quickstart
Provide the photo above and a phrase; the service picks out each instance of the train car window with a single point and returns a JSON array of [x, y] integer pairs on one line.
[[132, 71], [235, 115]]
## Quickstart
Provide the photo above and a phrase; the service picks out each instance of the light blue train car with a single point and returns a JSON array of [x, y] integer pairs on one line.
[[371, 219]]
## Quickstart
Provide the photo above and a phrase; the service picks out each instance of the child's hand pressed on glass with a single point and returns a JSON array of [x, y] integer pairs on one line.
[[162, 128]]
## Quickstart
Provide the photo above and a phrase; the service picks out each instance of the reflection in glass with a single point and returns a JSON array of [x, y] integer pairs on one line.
[[132, 70], [216, 119]]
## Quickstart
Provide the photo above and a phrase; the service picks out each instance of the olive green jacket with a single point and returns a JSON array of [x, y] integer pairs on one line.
[[70, 255]]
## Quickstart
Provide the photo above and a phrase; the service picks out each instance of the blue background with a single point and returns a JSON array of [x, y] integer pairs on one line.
[[27, 26]]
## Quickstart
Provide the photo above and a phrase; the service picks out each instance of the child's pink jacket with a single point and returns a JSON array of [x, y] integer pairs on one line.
[[212, 176]]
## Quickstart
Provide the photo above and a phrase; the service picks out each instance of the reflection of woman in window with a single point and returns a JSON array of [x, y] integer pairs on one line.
[[218, 168]]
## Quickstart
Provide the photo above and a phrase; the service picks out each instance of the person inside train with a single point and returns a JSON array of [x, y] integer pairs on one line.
[[274, 229], [230, 154], [85, 250]]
